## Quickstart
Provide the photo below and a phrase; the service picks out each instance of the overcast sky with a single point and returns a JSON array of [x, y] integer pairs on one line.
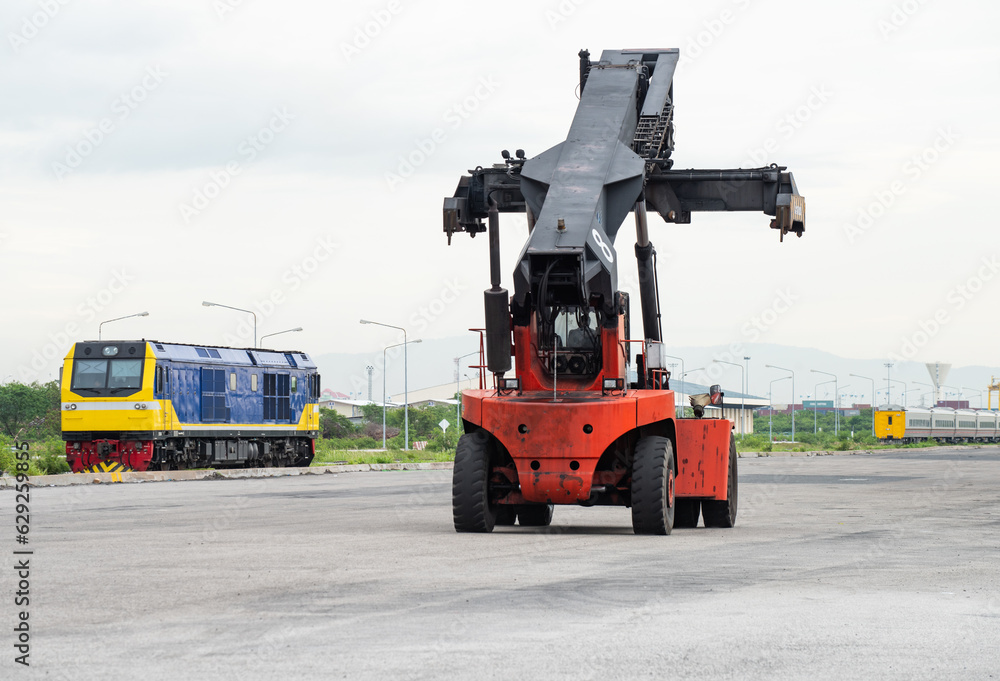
[[292, 157]]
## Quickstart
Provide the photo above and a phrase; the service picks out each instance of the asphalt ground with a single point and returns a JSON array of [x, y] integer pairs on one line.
[[881, 566]]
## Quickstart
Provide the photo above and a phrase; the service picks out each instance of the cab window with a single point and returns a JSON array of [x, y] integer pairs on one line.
[[89, 373]]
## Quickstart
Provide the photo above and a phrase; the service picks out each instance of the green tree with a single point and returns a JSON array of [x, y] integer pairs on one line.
[[335, 425], [21, 404]]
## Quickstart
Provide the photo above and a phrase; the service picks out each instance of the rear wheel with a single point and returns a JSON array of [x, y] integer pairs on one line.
[[534, 515], [686, 513], [653, 486], [723, 513], [470, 484], [506, 514]]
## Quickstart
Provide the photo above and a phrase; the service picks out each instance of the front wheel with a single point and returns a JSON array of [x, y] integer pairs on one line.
[[534, 515], [687, 512], [653, 486], [723, 513], [470, 484]]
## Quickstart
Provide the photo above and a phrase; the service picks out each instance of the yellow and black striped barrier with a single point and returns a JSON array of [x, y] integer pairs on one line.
[[114, 467]]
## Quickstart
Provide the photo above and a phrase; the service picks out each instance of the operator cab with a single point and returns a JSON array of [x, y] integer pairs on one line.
[[570, 343]]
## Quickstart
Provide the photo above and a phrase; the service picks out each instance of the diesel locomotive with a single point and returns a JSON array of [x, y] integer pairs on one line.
[[141, 405]]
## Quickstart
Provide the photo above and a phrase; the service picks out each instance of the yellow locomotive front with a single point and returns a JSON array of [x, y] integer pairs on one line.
[[109, 413]]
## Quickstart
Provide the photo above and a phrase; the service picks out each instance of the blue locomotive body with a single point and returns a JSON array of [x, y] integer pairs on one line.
[[148, 404]]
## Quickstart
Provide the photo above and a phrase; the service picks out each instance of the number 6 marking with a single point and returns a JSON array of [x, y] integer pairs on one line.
[[608, 253]]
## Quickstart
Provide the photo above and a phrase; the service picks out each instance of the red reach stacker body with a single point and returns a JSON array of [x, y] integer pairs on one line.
[[588, 417]]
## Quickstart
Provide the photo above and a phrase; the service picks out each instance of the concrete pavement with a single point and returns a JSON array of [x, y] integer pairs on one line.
[[877, 566]]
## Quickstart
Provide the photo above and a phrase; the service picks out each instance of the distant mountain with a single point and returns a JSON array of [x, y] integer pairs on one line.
[[432, 362]]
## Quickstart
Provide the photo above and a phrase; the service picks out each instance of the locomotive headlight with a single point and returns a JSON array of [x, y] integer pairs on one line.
[[109, 351]]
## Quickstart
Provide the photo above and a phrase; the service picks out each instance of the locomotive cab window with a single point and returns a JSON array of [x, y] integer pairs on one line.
[[253, 382], [232, 381], [890, 420], [295, 383], [101, 374], [125, 373], [89, 374]]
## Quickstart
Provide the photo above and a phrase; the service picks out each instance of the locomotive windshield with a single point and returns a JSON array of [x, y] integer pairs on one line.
[[94, 374]]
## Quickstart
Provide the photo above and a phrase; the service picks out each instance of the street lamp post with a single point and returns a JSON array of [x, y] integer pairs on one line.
[[681, 360], [458, 386], [958, 390], [839, 402], [770, 400], [888, 373], [406, 387], [106, 321], [743, 392], [238, 309], [404, 344], [277, 333], [894, 380], [836, 414], [980, 393], [815, 406], [922, 394], [873, 398], [771, 366]]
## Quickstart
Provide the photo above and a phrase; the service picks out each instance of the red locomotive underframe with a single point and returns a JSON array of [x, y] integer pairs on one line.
[[134, 454]]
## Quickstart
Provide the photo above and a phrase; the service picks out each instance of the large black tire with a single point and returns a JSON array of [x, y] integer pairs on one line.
[[653, 486], [506, 514], [534, 515], [723, 513], [687, 512], [470, 484]]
